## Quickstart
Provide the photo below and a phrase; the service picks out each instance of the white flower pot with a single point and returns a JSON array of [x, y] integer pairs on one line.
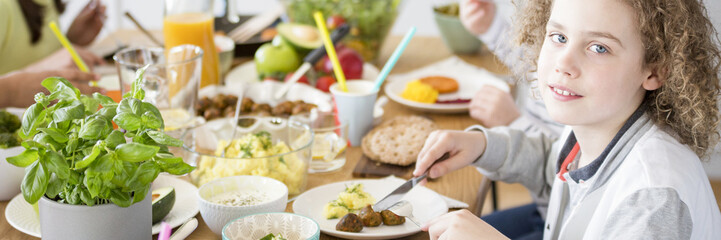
[[10, 176], [102, 222]]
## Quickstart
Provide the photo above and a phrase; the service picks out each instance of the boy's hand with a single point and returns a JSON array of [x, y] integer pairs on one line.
[[464, 147], [21, 86], [62, 60], [87, 24], [460, 224], [477, 15], [493, 107]]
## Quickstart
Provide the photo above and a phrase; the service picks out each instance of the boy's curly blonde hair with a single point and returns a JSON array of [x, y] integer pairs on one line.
[[680, 40]]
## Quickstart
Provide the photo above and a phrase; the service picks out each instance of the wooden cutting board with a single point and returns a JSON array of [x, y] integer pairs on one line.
[[366, 168]]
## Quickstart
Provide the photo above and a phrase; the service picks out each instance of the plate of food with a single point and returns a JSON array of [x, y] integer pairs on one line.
[[328, 204], [440, 91], [22, 217]]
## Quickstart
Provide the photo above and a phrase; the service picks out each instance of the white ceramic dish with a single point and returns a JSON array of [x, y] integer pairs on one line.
[[217, 215], [246, 73], [290, 226], [22, 217], [468, 85], [426, 203]]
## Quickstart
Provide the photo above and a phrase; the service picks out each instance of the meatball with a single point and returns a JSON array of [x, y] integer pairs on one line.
[[390, 218], [282, 109], [211, 113], [349, 223], [246, 105], [263, 107], [370, 218]]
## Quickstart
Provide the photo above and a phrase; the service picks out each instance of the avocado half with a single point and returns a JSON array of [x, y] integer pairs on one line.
[[163, 201], [302, 37]]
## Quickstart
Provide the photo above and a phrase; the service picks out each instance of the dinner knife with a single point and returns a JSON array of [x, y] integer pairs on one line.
[[397, 194], [311, 59]]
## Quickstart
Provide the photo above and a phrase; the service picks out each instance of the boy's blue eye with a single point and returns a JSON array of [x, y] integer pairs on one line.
[[558, 38], [599, 49]]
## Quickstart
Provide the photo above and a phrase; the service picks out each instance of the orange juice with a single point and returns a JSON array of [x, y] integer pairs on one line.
[[196, 29]]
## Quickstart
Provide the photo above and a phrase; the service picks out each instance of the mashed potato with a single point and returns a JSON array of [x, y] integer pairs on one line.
[[289, 169], [350, 200]]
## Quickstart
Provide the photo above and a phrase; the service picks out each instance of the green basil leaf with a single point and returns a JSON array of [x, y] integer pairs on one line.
[[75, 178], [135, 152], [144, 175], [61, 88], [74, 196], [103, 165], [35, 182], [55, 186], [94, 128], [128, 121], [147, 107], [46, 140], [56, 164], [25, 158], [123, 172], [72, 144], [30, 144], [91, 105], [93, 182], [108, 113], [114, 139], [42, 99], [90, 158], [139, 195], [86, 197], [55, 133], [138, 91], [164, 139], [120, 198], [150, 121], [105, 101], [76, 110], [33, 117], [173, 165]]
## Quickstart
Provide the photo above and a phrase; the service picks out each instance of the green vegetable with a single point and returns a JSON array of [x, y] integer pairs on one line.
[[451, 9], [270, 236], [8, 140], [163, 200], [9, 124], [304, 38], [74, 156], [370, 20]]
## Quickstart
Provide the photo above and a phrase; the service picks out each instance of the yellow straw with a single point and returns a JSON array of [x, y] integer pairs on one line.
[[64, 41], [330, 49]]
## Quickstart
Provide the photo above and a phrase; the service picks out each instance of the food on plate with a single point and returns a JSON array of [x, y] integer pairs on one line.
[[349, 223], [163, 201], [323, 83], [454, 101], [390, 218], [275, 59], [304, 38], [397, 141], [370, 218], [9, 124], [350, 61], [270, 236], [352, 199], [418, 91], [223, 105], [289, 168], [441, 84], [240, 198]]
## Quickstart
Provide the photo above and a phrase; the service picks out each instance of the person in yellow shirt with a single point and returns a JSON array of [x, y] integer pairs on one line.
[[29, 52]]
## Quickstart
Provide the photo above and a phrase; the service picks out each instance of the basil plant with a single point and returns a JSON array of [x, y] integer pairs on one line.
[[74, 155]]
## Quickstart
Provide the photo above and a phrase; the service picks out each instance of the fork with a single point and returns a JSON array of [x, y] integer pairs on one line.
[[254, 25], [404, 209]]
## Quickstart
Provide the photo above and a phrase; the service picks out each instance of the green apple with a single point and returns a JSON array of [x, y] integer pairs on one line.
[[277, 57]]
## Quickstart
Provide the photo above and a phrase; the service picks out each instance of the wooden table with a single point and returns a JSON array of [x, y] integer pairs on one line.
[[462, 184]]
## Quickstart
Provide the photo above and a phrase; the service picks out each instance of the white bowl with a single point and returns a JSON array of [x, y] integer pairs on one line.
[[289, 225], [10, 175], [218, 215]]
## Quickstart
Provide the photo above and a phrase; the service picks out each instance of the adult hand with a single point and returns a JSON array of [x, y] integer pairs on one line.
[[493, 107], [20, 87], [464, 148], [62, 60], [477, 15], [87, 24], [460, 224]]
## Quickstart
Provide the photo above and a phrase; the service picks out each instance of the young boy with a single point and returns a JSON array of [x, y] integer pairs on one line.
[[637, 83]]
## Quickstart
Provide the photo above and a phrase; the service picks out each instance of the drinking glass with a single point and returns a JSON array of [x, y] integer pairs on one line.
[[170, 82], [191, 22], [330, 140]]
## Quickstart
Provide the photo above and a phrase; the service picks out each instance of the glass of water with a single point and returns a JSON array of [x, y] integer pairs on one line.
[[171, 80], [330, 140]]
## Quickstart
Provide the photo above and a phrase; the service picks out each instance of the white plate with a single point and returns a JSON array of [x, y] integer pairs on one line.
[[468, 85], [426, 203], [22, 217], [246, 73]]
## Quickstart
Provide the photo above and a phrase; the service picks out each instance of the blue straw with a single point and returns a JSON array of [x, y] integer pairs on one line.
[[393, 59]]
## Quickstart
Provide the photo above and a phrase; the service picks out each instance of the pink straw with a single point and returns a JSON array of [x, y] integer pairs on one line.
[[164, 231]]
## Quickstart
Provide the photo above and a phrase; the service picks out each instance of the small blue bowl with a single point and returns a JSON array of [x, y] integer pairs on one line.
[[291, 226]]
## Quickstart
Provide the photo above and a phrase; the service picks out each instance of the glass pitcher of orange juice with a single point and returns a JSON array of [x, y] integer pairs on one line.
[[191, 22]]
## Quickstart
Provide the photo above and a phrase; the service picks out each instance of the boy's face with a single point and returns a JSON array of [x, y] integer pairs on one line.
[[590, 68]]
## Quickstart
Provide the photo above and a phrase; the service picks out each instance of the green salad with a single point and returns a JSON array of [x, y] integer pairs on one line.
[[9, 124], [370, 20]]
